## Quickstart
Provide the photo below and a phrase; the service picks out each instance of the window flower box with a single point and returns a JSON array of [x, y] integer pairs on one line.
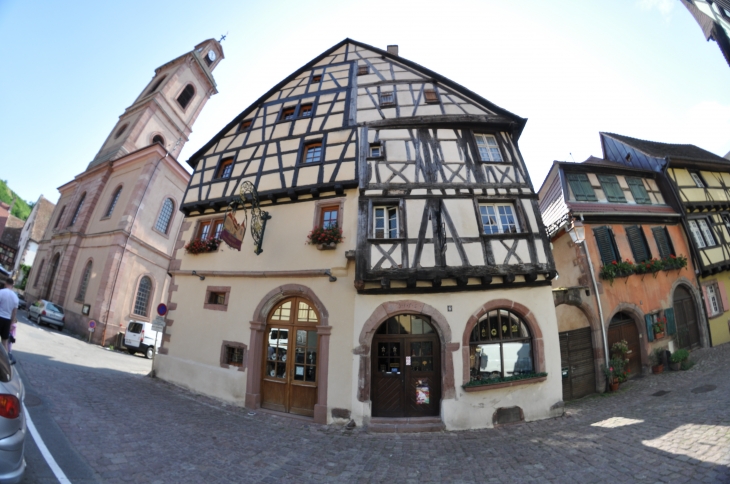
[[325, 238], [202, 246], [494, 383], [327, 246], [674, 262]]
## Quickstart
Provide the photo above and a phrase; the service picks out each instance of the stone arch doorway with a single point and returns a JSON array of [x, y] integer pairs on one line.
[[623, 327], [406, 368], [51, 277], [685, 317], [579, 361]]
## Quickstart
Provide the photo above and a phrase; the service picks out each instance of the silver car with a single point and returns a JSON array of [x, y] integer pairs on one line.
[[46, 312], [12, 422]]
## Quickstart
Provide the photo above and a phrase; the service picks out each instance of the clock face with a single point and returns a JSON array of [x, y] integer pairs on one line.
[[211, 55]]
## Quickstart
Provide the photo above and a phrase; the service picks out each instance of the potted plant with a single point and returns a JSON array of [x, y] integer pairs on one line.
[[611, 271], [674, 262], [677, 358], [325, 238], [657, 360], [659, 327], [611, 379], [199, 246]]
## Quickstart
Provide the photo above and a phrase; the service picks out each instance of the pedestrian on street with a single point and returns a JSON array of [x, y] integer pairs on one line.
[[8, 310]]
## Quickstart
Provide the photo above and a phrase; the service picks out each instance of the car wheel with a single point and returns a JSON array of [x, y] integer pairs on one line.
[[150, 352], [57, 328], [131, 351]]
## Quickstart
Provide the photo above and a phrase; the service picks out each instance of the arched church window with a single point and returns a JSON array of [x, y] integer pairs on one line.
[[113, 203], [84, 282], [186, 96], [159, 139], [142, 301], [120, 131], [78, 210], [163, 221]]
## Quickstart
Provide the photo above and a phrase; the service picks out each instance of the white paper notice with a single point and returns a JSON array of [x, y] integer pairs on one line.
[[408, 361]]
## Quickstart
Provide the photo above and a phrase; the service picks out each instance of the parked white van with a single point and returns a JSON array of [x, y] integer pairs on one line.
[[140, 337]]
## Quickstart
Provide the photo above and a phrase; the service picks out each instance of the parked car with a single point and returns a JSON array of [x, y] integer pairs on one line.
[[140, 337], [46, 312], [12, 422], [21, 302]]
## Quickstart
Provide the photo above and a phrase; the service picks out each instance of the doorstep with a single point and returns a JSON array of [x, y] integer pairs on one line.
[[382, 425]]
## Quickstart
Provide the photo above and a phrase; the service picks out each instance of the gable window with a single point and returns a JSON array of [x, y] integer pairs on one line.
[[376, 150], [638, 244], [581, 187], [144, 291], [363, 70], [500, 346], [430, 96], [488, 147], [60, 216], [499, 218], [113, 203], [385, 222], [606, 245], [225, 168], [287, 113], [84, 282], [163, 220], [244, 126], [638, 190], [663, 242], [305, 111], [698, 179], [614, 192], [186, 96], [312, 153], [316, 79], [701, 233], [387, 98], [78, 210], [329, 216]]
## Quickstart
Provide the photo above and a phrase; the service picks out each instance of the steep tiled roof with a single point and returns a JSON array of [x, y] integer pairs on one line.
[[42, 218], [11, 232], [661, 150]]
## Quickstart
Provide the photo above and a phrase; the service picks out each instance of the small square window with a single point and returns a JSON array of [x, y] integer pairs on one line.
[[287, 113], [312, 153], [385, 222], [499, 218], [376, 151], [234, 356], [225, 168], [245, 125], [217, 298], [316, 79], [305, 111], [363, 70], [387, 98], [431, 96], [329, 217], [488, 147]]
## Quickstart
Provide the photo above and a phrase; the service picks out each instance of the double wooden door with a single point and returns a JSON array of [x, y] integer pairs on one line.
[[406, 375], [685, 317], [578, 366], [622, 327]]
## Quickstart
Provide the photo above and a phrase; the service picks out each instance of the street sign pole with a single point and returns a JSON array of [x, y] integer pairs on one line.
[[92, 325]]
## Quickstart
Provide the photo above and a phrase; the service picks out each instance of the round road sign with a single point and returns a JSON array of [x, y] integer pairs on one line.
[[92, 324], [162, 309]]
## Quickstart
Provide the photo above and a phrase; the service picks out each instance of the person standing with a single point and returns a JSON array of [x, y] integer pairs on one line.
[[8, 310]]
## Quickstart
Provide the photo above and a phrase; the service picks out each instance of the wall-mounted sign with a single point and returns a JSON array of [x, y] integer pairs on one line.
[[92, 325], [85, 309], [162, 309]]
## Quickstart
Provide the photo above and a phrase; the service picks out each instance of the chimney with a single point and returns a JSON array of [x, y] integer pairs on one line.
[[393, 49]]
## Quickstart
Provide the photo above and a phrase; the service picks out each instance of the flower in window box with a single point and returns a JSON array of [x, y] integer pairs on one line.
[[611, 271], [674, 262], [325, 238], [202, 246]]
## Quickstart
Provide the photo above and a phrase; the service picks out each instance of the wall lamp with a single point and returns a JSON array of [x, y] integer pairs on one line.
[[202, 278]]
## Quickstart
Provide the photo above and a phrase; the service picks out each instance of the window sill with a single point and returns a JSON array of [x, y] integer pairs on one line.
[[505, 235], [330, 246], [373, 240], [216, 307], [540, 377]]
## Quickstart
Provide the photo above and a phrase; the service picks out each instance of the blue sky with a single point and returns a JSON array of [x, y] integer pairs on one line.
[[641, 68]]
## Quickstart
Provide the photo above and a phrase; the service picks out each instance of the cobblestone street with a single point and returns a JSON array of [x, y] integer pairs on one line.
[[132, 428]]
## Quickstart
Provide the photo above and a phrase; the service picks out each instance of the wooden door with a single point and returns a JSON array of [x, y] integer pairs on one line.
[[576, 355], [685, 316], [406, 368], [289, 380], [622, 327]]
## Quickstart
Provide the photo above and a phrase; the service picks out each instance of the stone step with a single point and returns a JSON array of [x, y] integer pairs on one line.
[[405, 425]]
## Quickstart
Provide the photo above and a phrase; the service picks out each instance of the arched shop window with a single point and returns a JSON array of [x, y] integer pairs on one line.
[[500, 346]]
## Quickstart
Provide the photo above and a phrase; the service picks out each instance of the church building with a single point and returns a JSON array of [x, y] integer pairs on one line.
[[107, 248], [394, 270]]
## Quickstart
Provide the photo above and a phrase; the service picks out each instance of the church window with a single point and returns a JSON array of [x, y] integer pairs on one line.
[[78, 210], [225, 168], [144, 291], [287, 113], [120, 131], [163, 221], [60, 216], [312, 153], [431, 96], [84, 282], [305, 111], [385, 224], [499, 218], [159, 139], [113, 203], [156, 85], [186, 96], [488, 147]]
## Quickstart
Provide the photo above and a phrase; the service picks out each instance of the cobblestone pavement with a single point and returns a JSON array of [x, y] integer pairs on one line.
[[133, 428]]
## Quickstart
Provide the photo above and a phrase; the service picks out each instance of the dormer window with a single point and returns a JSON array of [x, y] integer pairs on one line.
[[488, 147], [305, 111], [287, 113], [244, 126], [186, 96]]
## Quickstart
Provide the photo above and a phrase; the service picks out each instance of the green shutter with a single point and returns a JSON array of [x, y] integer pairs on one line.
[[612, 189], [662, 241], [649, 327], [636, 185], [637, 243], [671, 325], [604, 240], [581, 186]]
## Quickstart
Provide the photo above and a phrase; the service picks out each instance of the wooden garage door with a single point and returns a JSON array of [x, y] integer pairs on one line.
[[576, 356]]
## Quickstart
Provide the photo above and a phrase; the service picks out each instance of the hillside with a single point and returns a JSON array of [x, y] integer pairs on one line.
[[21, 209]]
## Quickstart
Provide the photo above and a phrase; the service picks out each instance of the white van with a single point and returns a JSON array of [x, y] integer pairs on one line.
[[140, 337]]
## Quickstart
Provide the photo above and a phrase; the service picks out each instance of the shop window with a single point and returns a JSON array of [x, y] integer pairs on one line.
[[581, 187], [488, 147], [614, 192], [312, 153], [499, 218], [500, 346], [606, 245], [385, 222]]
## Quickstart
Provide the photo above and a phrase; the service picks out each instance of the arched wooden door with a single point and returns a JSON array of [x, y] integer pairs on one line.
[[406, 368], [623, 327], [685, 316], [289, 380], [51, 277]]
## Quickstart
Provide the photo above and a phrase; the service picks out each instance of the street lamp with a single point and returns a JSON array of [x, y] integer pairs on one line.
[[577, 231]]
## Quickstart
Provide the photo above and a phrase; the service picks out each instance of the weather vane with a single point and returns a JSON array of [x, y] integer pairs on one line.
[[223, 37]]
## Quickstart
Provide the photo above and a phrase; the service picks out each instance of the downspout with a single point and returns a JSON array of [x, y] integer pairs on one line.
[[126, 242], [598, 301]]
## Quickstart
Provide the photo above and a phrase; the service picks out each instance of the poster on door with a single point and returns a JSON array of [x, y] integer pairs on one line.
[[423, 392]]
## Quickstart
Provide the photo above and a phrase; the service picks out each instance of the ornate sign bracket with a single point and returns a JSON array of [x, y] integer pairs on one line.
[[248, 194]]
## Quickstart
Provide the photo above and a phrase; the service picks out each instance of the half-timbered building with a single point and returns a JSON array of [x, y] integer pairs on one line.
[[435, 305], [697, 184], [618, 247]]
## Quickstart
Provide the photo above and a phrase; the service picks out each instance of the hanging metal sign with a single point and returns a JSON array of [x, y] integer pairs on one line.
[[233, 232]]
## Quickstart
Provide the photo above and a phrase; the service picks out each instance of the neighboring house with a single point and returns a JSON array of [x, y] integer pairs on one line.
[[10, 228], [437, 304], [599, 214], [106, 252], [713, 16], [32, 233], [697, 184]]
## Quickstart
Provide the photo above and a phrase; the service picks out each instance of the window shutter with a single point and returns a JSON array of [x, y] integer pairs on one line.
[[708, 304], [582, 188], [662, 241], [637, 243], [649, 327], [723, 296], [605, 245], [612, 189], [671, 325], [636, 185]]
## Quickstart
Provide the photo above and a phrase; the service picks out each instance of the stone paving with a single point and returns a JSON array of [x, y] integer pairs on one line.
[[133, 428]]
